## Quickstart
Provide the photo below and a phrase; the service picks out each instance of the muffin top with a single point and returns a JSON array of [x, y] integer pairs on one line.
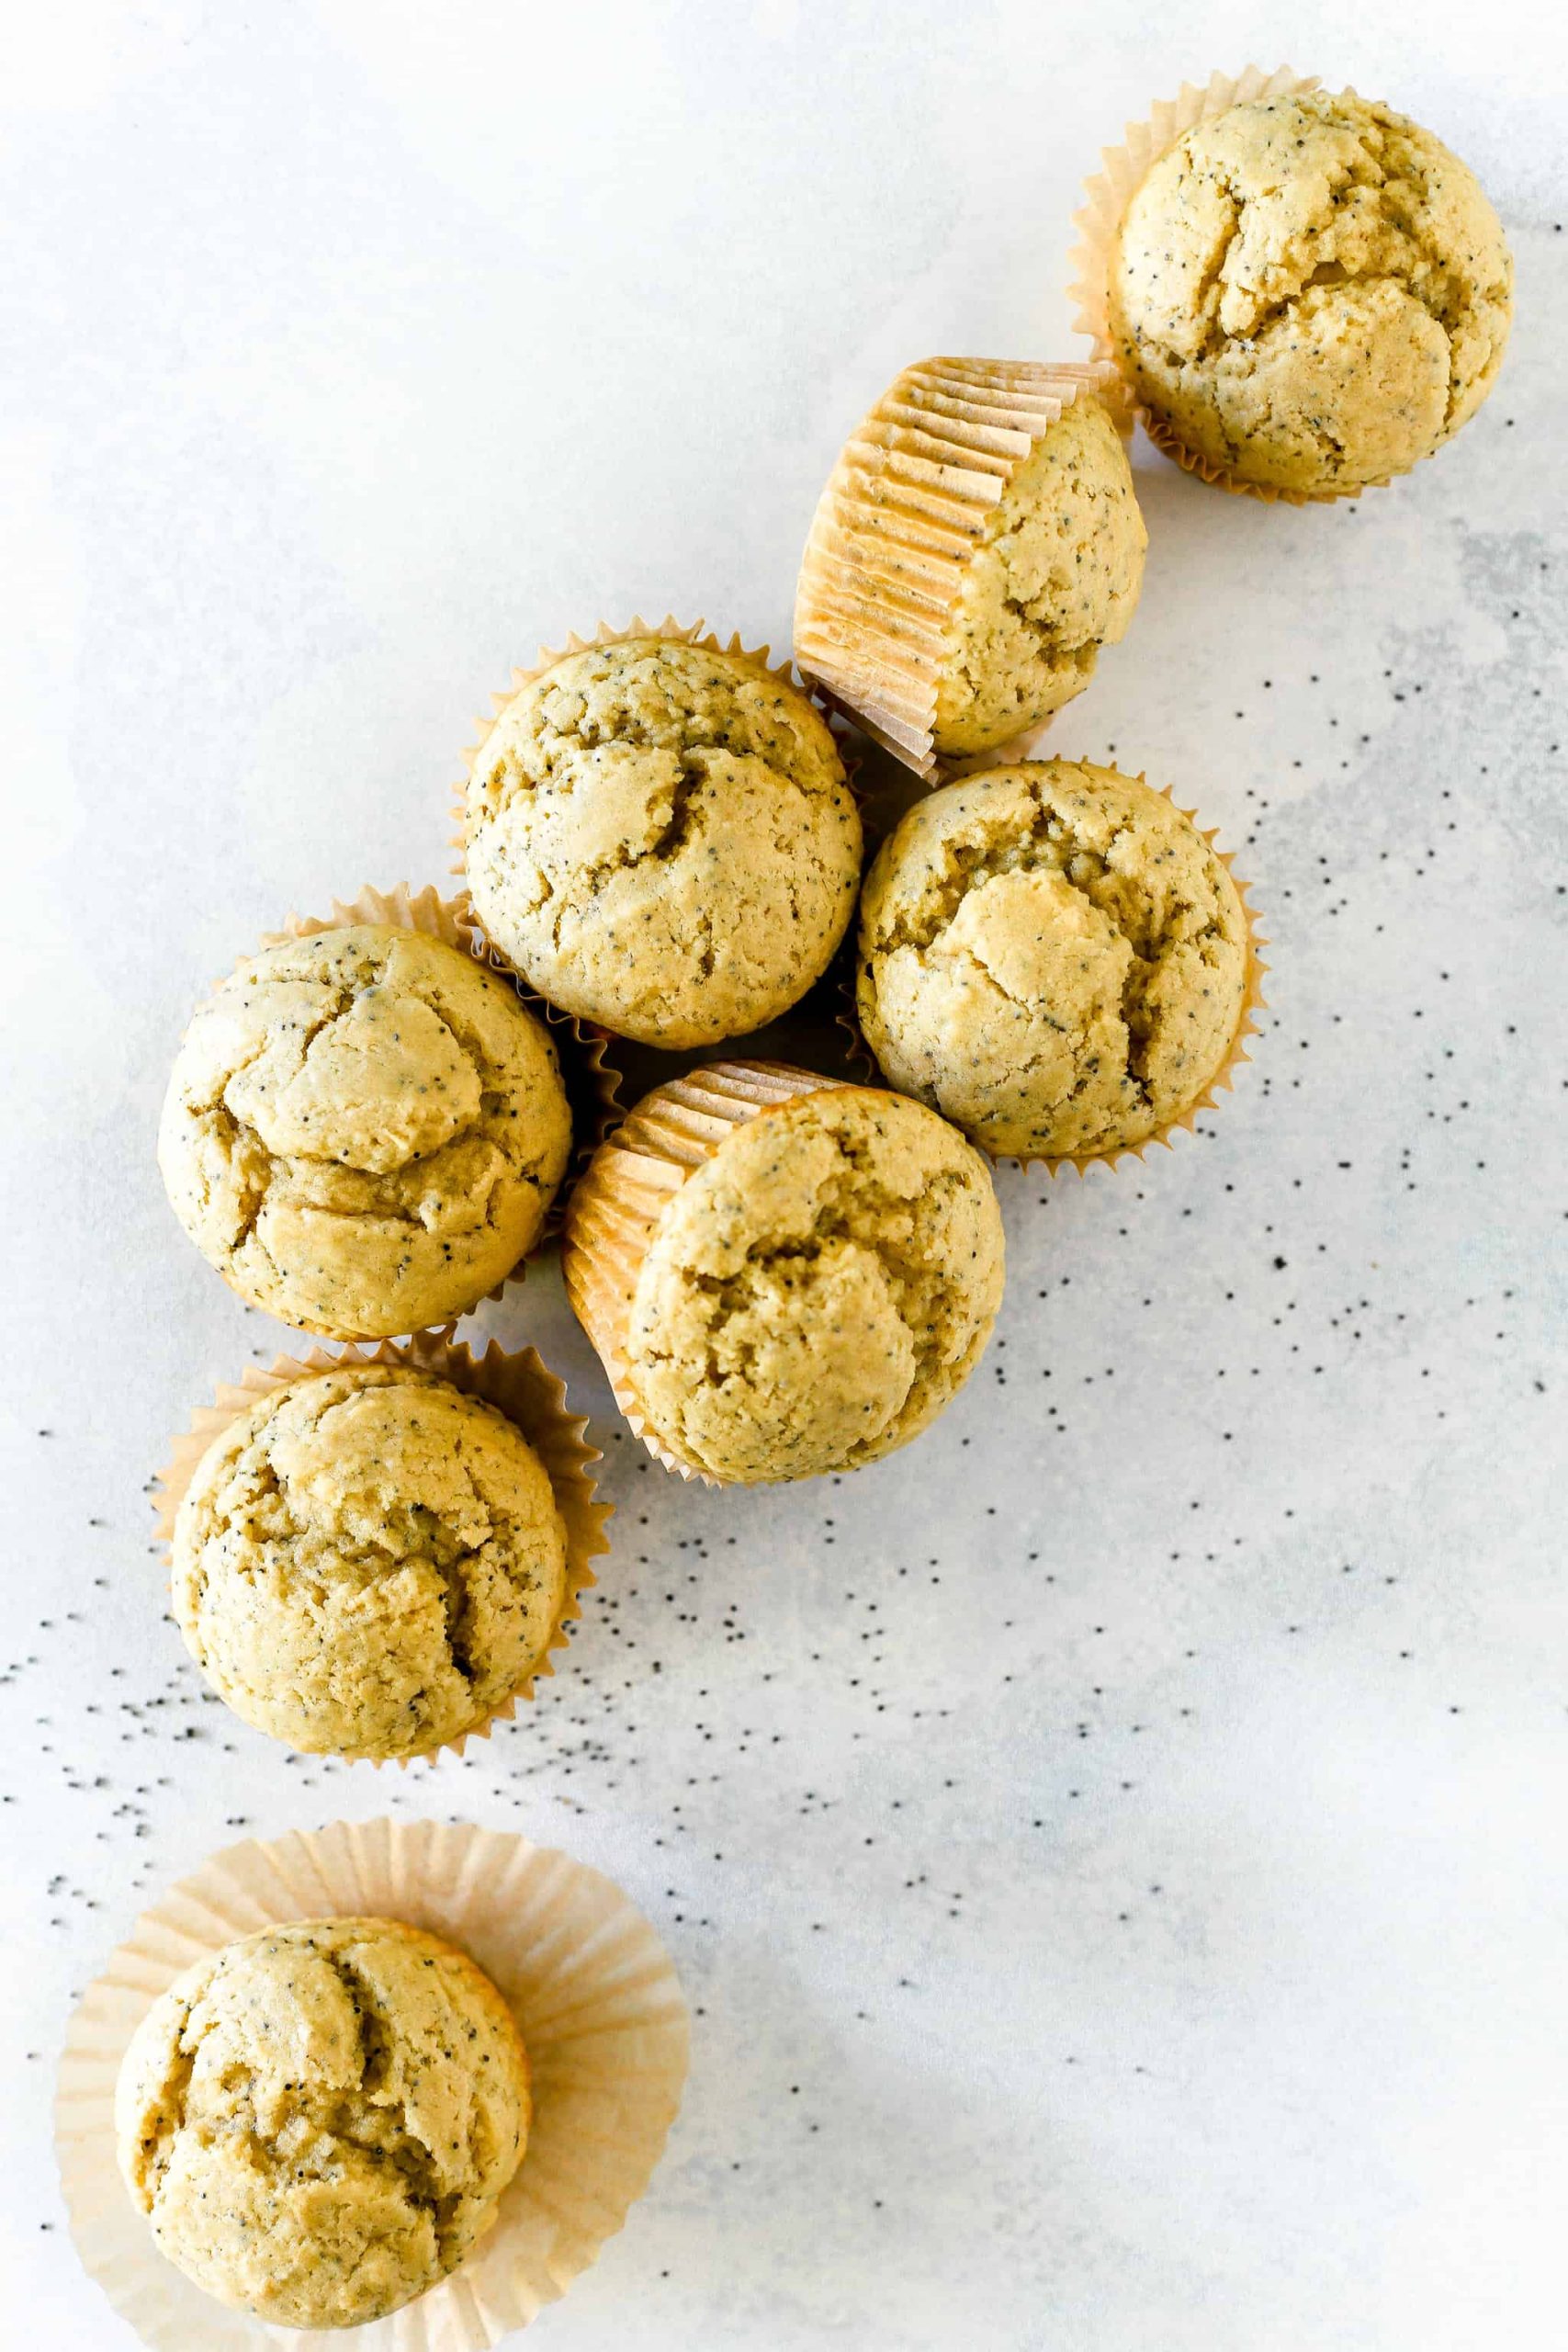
[[1311, 291], [1054, 956], [369, 1563], [817, 1290], [1054, 576], [661, 839], [363, 1131], [319, 2119]]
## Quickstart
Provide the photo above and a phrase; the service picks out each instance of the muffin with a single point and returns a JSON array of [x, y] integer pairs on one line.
[[319, 2120], [364, 1130], [369, 1563], [1053, 956], [660, 837], [784, 1276], [977, 542], [1308, 294], [1055, 575]]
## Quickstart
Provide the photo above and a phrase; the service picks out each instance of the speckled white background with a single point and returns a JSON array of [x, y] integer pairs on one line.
[[1118, 1850]]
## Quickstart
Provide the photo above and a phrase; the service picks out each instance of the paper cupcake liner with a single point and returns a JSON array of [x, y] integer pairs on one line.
[[616, 1209], [592, 1989], [895, 529], [673, 632], [589, 1074], [1223, 1080], [519, 1385], [1107, 195]]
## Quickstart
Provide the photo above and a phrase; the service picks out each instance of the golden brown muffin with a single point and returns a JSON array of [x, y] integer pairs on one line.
[[1055, 575], [319, 2120], [363, 1131], [660, 837], [369, 1563], [1054, 956], [1310, 293], [977, 542], [814, 1292]]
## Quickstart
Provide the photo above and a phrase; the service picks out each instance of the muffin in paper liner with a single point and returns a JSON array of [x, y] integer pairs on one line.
[[1223, 1080], [478, 939], [900, 516], [1108, 193], [616, 1208], [519, 1386], [590, 1078], [594, 1994]]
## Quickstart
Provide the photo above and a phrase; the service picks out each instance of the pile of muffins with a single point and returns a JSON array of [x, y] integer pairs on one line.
[[378, 1116]]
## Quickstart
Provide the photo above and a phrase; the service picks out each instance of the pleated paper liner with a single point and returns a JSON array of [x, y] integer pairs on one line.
[[592, 1989], [1107, 195], [1222, 1081], [671, 631], [590, 1076], [903, 511], [616, 1209], [519, 1385]]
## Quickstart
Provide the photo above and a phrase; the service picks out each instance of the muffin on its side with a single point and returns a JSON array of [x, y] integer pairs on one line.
[[1056, 576], [785, 1276], [660, 837], [319, 2120], [1308, 294], [369, 1563], [977, 542], [1054, 956], [363, 1131]]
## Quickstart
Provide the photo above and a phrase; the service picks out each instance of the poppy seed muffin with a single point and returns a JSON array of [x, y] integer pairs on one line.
[[1054, 956], [1310, 293], [1055, 575], [660, 837], [814, 1292], [369, 1563], [319, 2120], [363, 1131]]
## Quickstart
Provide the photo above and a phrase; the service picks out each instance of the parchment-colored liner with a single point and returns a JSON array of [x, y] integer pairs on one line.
[[590, 1985], [1107, 195], [1253, 1002], [673, 632], [519, 1385], [630, 1181], [896, 525], [591, 1081]]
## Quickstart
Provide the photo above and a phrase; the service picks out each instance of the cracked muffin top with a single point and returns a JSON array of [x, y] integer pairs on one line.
[[1310, 292], [363, 1131], [1054, 956], [661, 839], [1054, 576], [817, 1290], [319, 2120], [369, 1563]]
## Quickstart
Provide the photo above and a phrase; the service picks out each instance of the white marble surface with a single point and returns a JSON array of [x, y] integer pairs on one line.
[[1117, 1850]]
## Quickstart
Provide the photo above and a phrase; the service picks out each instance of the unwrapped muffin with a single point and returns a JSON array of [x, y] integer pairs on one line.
[[1308, 293], [319, 2120], [784, 1276], [976, 544], [1054, 956], [363, 1131], [660, 837], [369, 1563]]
